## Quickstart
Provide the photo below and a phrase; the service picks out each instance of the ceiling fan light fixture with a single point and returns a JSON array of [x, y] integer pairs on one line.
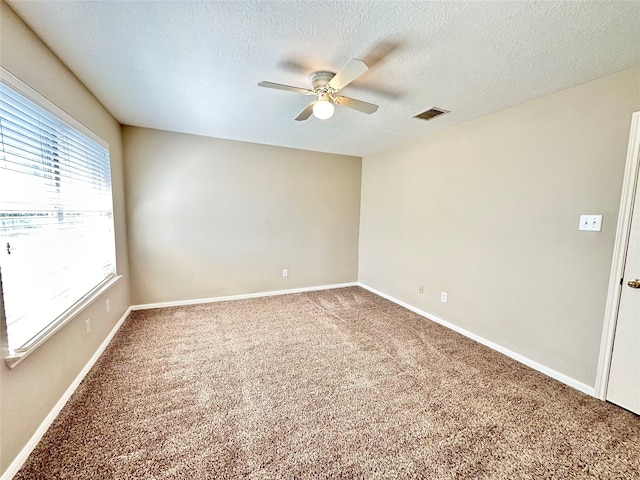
[[323, 109]]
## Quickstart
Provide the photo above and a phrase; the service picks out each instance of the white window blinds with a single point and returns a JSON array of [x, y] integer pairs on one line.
[[56, 218]]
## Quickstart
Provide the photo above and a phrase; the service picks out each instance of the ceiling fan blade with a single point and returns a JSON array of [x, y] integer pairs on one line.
[[306, 113], [348, 74], [288, 88], [359, 105]]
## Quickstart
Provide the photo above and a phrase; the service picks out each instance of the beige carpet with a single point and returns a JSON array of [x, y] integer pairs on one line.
[[330, 384]]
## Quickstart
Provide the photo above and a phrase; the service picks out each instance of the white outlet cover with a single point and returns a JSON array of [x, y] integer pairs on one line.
[[590, 223]]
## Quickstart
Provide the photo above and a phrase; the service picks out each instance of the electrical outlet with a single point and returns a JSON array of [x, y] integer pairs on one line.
[[443, 297], [285, 272], [420, 289], [87, 326], [108, 303]]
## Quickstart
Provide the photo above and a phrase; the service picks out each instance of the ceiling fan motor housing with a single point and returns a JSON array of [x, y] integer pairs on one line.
[[319, 80]]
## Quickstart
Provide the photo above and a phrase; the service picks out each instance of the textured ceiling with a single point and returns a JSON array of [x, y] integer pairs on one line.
[[194, 66]]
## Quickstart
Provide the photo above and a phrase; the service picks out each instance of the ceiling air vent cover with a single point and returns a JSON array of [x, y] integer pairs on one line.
[[431, 113]]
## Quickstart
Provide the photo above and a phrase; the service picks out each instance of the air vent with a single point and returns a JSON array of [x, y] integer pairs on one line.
[[431, 113]]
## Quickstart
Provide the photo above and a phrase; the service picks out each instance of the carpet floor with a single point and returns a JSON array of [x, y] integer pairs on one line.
[[329, 384]]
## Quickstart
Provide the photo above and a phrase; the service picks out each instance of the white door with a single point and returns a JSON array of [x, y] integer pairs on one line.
[[624, 375]]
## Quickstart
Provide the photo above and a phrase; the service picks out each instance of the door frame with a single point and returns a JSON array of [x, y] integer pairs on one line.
[[629, 184]]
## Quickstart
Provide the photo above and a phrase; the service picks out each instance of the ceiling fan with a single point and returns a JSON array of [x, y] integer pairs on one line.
[[325, 86]]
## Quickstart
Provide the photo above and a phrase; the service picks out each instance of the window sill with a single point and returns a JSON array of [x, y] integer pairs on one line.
[[15, 357]]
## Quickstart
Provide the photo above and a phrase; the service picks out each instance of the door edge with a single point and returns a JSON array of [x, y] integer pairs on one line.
[[632, 167]]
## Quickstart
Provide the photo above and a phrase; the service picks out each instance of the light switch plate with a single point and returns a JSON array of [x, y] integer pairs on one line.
[[592, 223]]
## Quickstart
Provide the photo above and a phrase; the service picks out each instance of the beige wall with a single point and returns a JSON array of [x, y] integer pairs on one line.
[[29, 391], [488, 212], [210, 217]]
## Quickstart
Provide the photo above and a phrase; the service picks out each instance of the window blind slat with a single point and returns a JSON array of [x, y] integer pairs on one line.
[[79, 157], [19, 107]]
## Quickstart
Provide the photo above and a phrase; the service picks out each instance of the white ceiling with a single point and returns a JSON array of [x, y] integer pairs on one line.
[[193, 67]]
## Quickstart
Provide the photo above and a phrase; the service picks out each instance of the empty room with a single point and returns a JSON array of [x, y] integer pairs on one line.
[[319, 239]]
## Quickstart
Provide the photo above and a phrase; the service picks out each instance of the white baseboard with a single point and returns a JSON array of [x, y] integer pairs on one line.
[[179, 303], [561, 377], [46, 423]]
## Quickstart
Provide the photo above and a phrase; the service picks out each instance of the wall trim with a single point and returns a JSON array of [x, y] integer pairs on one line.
[[561, 377], [17, 462], [179, 303], [623, 231]]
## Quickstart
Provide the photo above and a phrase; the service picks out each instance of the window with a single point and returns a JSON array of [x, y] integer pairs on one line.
[[56, 218]]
